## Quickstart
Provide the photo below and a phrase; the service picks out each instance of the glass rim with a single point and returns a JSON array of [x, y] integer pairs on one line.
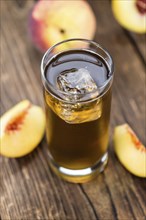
[[53, 89]]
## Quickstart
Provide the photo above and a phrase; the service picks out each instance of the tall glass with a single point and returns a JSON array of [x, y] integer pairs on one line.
[[77, 128]]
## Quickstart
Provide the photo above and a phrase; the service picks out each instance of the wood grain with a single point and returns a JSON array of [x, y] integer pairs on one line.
[[29, 189], [139, 42]]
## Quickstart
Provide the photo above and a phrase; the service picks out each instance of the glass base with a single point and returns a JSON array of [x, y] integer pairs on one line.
[[80, 176]]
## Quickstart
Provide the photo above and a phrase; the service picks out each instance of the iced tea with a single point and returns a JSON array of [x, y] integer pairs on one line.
[[77, 110]]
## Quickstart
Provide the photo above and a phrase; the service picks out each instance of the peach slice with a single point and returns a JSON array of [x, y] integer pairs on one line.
[[53, 21], [131, 14], [22, 128], [130, 151]]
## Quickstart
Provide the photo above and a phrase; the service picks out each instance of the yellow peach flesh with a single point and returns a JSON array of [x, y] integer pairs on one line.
[[128, 15], [22, 128], [129, 150]]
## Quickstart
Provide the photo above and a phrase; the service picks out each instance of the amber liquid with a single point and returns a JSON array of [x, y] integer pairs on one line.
[[75, 142]]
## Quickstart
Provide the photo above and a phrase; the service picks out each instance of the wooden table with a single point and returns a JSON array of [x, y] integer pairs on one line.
[[29, 189]]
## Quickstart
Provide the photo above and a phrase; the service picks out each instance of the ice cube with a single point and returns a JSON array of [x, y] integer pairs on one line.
[[76, 81], [75, 113]]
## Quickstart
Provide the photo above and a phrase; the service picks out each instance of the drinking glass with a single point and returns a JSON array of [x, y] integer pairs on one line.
[[77, 123]]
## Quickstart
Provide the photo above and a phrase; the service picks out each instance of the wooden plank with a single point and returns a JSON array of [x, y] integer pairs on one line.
[[29, 189], [139, 42]]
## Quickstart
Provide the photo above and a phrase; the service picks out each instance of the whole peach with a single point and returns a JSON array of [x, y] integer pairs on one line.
[[52, 21]]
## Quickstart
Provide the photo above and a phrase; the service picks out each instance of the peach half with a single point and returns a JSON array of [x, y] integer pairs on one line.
[[22, 128], [129, 150], [131, 14], [52, 21]]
